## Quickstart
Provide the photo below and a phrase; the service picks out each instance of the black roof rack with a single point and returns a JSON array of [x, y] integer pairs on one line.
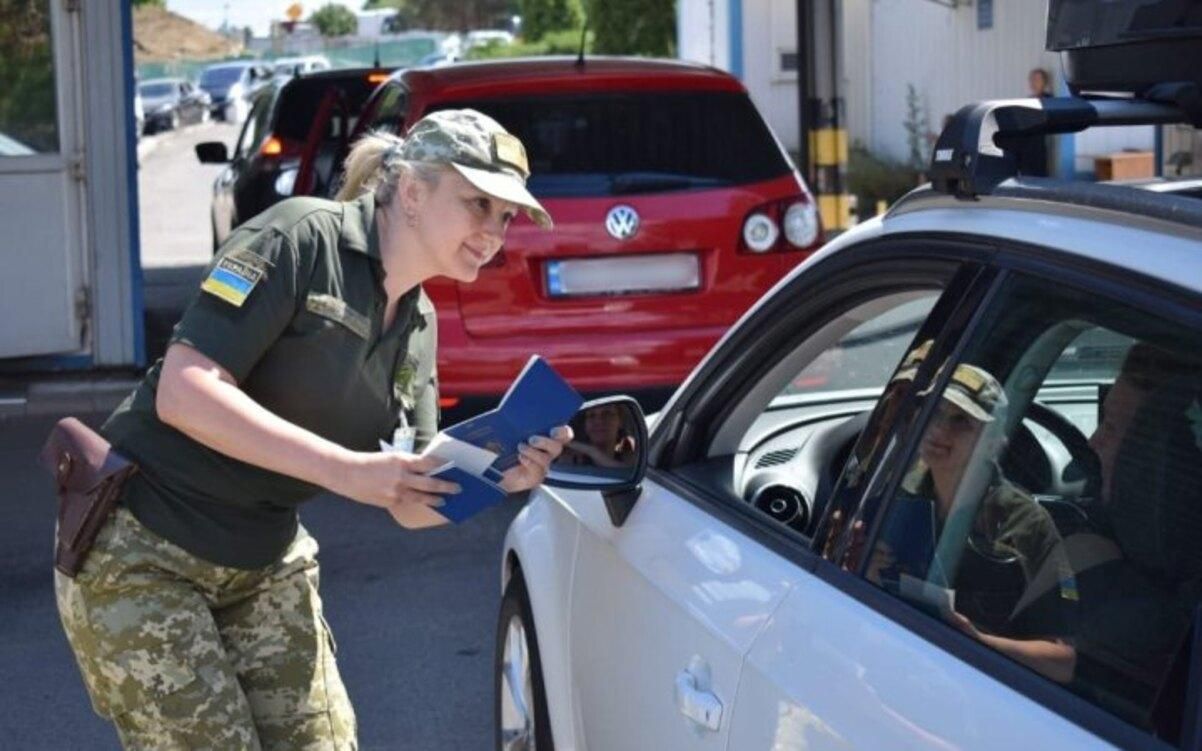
[[977, 150]]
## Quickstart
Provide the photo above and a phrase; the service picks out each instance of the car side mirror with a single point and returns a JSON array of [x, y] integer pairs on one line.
[[212, 152], [608, 453]]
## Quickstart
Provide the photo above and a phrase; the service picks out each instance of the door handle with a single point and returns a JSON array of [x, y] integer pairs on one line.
[[696, 702]]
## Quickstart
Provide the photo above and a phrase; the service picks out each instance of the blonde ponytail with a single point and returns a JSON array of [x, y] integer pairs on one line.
[[375, 164]]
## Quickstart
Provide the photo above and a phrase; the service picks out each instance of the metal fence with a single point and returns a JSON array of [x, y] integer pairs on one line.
[[345, 52]]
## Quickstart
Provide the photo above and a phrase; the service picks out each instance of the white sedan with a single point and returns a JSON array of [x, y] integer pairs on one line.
[[939, 489]]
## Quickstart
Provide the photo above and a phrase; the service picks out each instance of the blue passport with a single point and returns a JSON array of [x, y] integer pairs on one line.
[[537, 401]]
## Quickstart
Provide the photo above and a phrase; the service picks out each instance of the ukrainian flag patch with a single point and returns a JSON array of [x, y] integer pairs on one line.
[[232, 281]]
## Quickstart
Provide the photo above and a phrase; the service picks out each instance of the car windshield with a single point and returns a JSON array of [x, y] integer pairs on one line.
[[867, 355], [156, 89], [631, 143], [221, 76]]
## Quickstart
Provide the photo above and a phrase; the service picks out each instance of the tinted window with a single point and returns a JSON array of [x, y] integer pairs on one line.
[[625, 144], [1069, 545], [156, 89], [221, 76], [391, 108], [301, 99]]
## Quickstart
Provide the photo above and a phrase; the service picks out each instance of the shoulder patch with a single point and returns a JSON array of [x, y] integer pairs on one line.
[[232, 280], [338, 311]]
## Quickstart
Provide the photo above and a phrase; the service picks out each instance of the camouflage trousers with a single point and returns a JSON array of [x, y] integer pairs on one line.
[[182, 653]]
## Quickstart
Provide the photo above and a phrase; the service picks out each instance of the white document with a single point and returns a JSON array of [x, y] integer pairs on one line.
[[919, 590], [467, 457]]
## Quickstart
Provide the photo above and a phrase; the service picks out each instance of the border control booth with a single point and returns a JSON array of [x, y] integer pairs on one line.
[[68, 190]]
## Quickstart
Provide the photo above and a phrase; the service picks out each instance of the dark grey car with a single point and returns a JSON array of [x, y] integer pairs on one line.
[[171, 102]]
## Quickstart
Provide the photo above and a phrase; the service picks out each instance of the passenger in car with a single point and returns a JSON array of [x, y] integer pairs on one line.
[[1138, 595], [988, 544]]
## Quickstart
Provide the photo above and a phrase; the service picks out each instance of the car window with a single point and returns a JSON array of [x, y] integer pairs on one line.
[[1052, 505], [610, 144], [823, 389], [301, 99], [221, 76], [866, 356], [256, 128], [390, 110]]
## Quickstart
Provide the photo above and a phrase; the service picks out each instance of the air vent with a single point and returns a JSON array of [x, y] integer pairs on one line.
[[784, 504], [773, 458]]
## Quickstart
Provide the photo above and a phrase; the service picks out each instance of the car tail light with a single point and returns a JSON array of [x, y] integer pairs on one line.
[[781, 226], [277, 147], [377, 77], [448, 402]]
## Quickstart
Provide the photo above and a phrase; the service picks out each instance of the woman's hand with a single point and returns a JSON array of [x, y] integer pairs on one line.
[[535, 458], [390, 479]]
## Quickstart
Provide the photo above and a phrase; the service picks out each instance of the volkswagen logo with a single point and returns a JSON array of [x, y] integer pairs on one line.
[[622, 222]]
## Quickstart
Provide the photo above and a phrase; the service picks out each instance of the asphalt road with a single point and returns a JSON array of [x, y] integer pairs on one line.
[[413, 614], [174, 193]]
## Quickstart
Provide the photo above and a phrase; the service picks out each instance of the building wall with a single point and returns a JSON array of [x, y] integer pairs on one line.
[[963, 64], [959, 63], [703, 33]]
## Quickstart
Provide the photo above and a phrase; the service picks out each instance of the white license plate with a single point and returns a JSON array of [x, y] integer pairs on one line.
[[624, 275]]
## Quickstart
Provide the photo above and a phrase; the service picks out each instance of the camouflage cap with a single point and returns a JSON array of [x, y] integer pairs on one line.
[[975, 391], [487, 155]]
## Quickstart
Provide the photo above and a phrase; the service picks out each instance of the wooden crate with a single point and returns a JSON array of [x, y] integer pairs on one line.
[[1125, 165]]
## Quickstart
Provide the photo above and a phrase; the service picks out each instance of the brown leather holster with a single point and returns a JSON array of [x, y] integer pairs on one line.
[[89, 476]]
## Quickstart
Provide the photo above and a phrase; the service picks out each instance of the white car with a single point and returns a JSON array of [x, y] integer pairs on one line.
[[287, 67], [940, 488]]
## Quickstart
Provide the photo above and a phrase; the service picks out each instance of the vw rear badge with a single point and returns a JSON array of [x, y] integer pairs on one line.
[[622, 222]]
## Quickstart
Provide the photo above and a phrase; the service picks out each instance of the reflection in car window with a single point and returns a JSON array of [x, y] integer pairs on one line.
[[1087, 571], [867, 356], [28, 108]]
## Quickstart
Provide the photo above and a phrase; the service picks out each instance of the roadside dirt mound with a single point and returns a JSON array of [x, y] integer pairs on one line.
[[161, 36]]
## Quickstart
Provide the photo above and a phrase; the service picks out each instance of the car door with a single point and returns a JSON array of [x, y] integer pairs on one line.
[[851, 661], [665, 606]]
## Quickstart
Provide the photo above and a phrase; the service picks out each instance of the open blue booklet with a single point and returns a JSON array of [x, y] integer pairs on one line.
[[478, 451]]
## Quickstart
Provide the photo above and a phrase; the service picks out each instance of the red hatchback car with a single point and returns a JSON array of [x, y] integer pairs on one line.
[[675, 208]]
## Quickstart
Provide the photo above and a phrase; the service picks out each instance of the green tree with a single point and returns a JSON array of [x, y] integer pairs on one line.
[[634, 27], [156, 3], [27, 104], [334, 20], [542, 16], [441, 15]]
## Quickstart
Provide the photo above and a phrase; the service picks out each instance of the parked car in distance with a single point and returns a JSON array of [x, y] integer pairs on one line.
[[675, 208], [938, 489], [286, 67], [310, 115], [232, 86], [481, 37], [168, 103]]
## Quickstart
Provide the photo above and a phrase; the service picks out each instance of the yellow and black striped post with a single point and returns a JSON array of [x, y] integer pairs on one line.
[[823, 138]]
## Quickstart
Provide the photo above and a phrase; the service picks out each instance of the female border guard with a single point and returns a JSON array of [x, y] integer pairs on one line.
[[196, 619]]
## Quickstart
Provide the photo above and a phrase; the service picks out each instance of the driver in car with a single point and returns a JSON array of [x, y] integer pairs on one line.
[[998, 537]]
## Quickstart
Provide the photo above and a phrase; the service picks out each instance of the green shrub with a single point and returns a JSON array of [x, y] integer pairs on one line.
[[872, 178], [542, 17], [565, 42], [634, 27]]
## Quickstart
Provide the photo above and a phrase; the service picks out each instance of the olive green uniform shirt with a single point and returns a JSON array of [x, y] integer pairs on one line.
[[307, 343], [1010, 524]]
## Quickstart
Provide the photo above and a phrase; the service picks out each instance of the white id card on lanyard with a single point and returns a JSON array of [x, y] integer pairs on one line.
[[403, 438]]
